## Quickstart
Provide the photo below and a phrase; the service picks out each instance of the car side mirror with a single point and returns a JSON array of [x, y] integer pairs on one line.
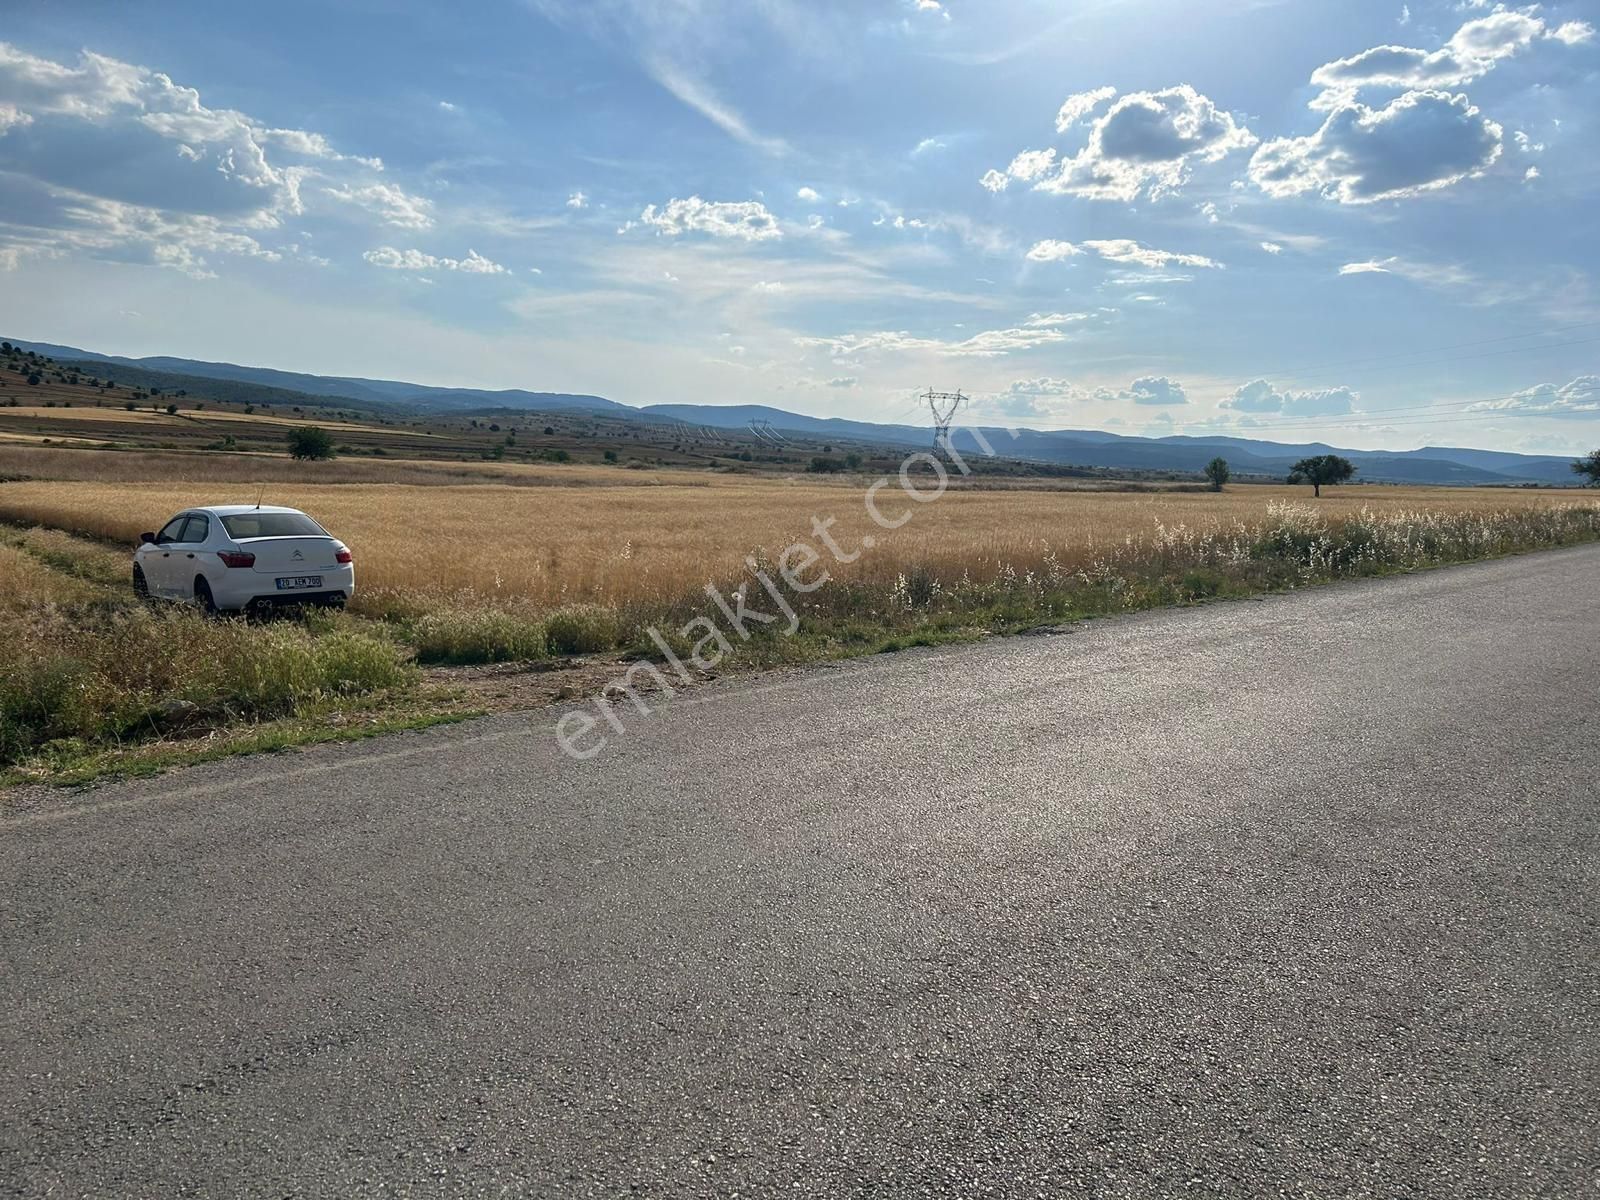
[[147, 539]]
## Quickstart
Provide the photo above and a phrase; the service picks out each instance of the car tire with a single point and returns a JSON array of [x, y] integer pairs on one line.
[[141, 586], [203, 597]]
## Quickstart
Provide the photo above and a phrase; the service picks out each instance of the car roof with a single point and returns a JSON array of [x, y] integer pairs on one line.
[[229, 510]]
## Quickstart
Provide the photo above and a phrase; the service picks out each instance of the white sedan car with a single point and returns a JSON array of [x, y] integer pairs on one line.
[[240, 556]]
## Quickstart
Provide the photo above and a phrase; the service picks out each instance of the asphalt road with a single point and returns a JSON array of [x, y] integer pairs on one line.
[[1294, 897]]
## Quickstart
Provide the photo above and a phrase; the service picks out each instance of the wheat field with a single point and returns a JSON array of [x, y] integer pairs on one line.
[[541, 546]]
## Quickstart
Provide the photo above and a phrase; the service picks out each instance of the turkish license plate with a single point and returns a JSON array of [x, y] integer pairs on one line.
[[297, 582]]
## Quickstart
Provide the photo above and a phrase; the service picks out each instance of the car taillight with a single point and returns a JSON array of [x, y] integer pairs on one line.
[[236, 558], [344, 558]]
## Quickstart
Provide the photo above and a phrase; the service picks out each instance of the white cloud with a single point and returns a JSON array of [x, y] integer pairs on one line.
[[1146, 142], [1044, 386], [134, 233], [995, 181], [12, 117], [1531, 174], [1423, 140], [1031, 164], [699, 96], [925, 145], [1121, 250], [1472, 52], [119, 151], [1259, 396], [1052, 251], [125, 164], [390, 204], [843, 381], [1155, 390], [991, 343], [415, 260], [1580, 398], [1078, 106], [1036, 320], [1440, 275], [1040, 397], [1272, 247], [578, 200], [1418, 143], [747, 220], [809, 195]]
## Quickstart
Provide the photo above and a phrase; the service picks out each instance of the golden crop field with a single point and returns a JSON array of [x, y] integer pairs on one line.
[[656, 540]]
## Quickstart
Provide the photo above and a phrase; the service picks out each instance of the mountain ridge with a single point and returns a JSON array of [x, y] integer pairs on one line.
[[1085, 448]]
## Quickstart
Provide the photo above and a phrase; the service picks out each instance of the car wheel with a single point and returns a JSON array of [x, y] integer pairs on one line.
[[141, 586], [202, 597]]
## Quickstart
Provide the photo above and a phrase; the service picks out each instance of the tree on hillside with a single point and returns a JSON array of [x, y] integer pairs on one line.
[[1589, 466], [310, 442], [1217, 471], [1322, 469]]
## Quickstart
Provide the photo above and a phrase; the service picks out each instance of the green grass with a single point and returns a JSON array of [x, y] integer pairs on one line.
[[69, 765], [476, 636]]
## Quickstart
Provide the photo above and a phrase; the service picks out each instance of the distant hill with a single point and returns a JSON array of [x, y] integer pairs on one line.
[[370, 391], [1066, 447], [1095, 448]]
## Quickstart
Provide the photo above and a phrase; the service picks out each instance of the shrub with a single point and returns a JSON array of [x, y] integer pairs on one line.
[[477, 636], [581, 629], [310, 442], [102, 675]]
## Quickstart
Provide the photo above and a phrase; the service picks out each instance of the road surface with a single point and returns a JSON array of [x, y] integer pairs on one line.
[[1295, 897]]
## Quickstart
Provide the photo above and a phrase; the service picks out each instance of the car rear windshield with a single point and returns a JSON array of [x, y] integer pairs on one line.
[[242, 526]]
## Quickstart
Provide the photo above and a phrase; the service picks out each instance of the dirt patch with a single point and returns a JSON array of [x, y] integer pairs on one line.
[[505, 687]]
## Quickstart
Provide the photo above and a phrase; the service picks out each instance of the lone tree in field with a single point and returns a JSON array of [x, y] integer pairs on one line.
[[1217, 471], [310, 442], [1321, 469], [1589, 466]]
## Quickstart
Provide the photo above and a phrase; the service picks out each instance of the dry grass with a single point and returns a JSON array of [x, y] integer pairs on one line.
[[490, 573], [24, 586], [424, 548], [243, 472], [117, 415]]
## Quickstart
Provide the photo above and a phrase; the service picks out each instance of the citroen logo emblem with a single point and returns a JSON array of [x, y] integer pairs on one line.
[[298, 557]]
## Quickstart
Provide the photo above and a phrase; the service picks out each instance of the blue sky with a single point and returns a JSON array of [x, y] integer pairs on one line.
[[1364, 221]]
